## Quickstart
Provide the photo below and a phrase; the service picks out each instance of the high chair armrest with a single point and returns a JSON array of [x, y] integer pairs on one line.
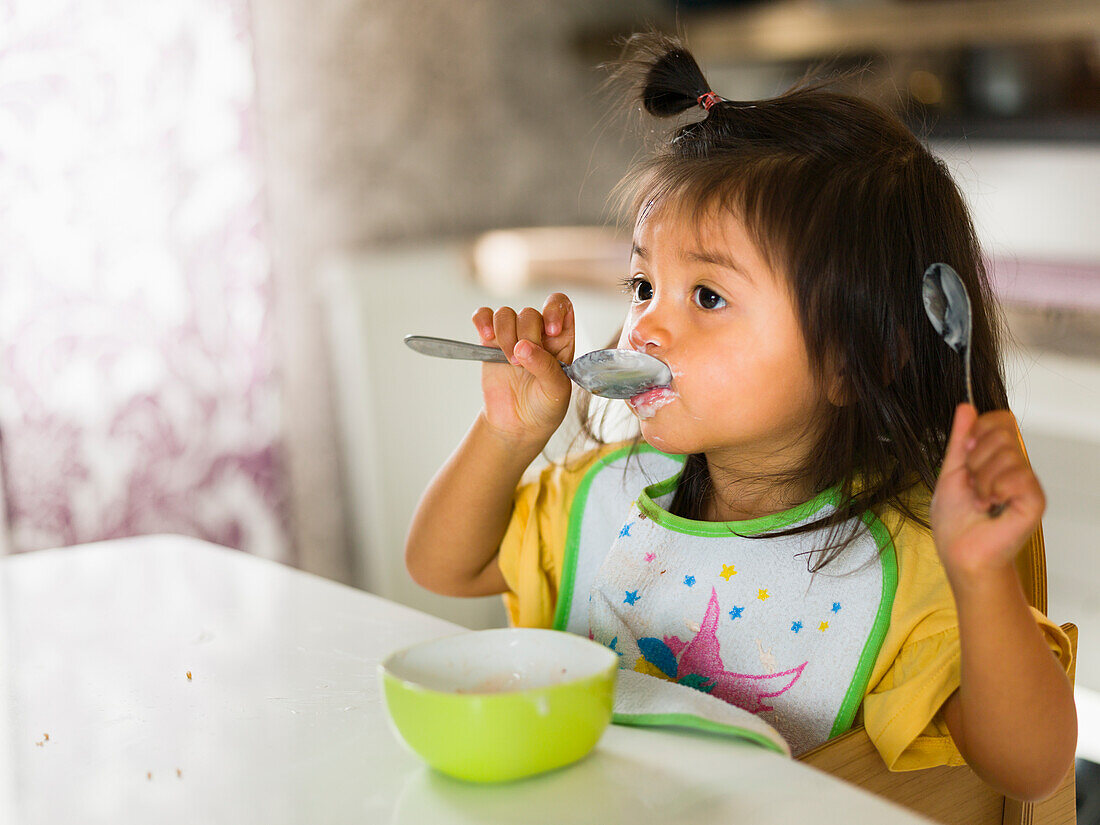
[[943, 794]]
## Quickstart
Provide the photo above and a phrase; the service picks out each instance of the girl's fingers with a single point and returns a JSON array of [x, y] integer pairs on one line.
[[989, 443], [552, 328], [529, 326], [544, 367], [483, 323], [994, 420], [557, 314], [955, 456], [1019, 486], [993, 468], [504, 328], [560, 316]]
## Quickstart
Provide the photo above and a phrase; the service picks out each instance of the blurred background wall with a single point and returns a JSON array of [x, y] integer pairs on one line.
[[413, 122]]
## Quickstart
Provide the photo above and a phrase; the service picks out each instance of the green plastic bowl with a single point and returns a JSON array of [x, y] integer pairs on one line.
[[494, 705]]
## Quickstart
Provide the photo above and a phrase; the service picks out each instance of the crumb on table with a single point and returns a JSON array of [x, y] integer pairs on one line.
[[189, 676]]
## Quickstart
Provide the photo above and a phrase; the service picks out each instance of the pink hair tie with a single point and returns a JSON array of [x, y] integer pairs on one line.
[[708, 100]]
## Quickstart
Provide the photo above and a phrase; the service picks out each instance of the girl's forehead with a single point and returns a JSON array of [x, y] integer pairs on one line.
[[694, 230], [711, 224]]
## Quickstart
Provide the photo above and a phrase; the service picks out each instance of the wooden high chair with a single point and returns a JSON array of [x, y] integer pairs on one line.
[[956, 795]]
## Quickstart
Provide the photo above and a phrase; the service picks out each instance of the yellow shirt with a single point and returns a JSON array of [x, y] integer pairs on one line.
[[918, 664]]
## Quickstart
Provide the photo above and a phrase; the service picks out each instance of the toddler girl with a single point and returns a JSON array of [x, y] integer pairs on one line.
[[806, 530]]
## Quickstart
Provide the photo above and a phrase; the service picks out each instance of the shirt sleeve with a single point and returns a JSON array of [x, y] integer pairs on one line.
[[918, 666], [533, 548]]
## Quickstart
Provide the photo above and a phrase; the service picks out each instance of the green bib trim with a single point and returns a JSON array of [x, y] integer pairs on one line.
[[573, 536], [748, 527], [853, 698]]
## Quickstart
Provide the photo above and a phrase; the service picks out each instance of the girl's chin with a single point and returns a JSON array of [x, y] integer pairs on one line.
[[653, 436]]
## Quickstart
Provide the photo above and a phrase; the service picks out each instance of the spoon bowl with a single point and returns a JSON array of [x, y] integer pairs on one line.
[[610, 373], [947, 305]]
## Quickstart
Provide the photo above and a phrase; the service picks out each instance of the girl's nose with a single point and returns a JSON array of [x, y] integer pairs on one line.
[[648, 334]]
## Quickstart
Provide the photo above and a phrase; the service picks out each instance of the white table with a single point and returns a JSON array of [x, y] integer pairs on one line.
[[281, 720]]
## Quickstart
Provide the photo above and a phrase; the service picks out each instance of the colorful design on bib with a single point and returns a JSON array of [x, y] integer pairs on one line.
[[823, 626], [625, 532], [762, 594], [689, 581], [836, 606], [796, 626], [699, 664], [631, 597], [727, 571], [736, 612], [650, 556]]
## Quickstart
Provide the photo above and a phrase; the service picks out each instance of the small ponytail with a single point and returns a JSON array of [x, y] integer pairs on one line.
[[674, 84], [658, 70]]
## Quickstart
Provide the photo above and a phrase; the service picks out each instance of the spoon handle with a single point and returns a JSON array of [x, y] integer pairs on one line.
[[459, 350], [969, 385], [996, 508]]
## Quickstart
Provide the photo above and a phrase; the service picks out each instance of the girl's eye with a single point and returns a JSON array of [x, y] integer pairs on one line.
[[708, 298], [639, 288]]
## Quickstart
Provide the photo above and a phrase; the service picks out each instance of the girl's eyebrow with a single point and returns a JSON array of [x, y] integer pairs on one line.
[[718, 259], [703, 257]]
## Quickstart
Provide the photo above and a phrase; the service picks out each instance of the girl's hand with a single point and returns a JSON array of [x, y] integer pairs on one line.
[[984, 466], [527, 399]]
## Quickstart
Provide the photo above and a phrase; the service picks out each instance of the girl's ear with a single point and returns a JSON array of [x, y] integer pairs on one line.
[[838, 388]]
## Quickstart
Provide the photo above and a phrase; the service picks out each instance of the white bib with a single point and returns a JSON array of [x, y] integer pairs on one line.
[[737, 617]]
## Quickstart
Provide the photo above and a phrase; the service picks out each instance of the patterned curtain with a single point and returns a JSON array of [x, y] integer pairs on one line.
[[137, 388]]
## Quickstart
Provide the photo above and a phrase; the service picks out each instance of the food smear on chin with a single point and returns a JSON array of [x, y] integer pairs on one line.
[[646, 404]]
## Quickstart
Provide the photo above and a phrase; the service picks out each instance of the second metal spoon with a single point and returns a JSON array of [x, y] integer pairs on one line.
[[947, 305]]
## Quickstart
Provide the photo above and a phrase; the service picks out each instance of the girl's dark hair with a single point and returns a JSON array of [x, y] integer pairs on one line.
[[844, 200]]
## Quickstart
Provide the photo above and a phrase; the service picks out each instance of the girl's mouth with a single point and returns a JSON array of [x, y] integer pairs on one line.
[[645, 404]]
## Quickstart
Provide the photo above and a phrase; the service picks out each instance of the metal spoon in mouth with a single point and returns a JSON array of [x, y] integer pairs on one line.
[[947, 304], [611, 373]]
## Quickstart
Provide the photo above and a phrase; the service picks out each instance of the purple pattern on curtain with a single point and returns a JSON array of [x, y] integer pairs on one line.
[[138, 392]]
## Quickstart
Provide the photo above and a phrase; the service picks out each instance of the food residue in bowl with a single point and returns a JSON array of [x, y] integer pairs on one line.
[[507, 682], [498, 683]]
